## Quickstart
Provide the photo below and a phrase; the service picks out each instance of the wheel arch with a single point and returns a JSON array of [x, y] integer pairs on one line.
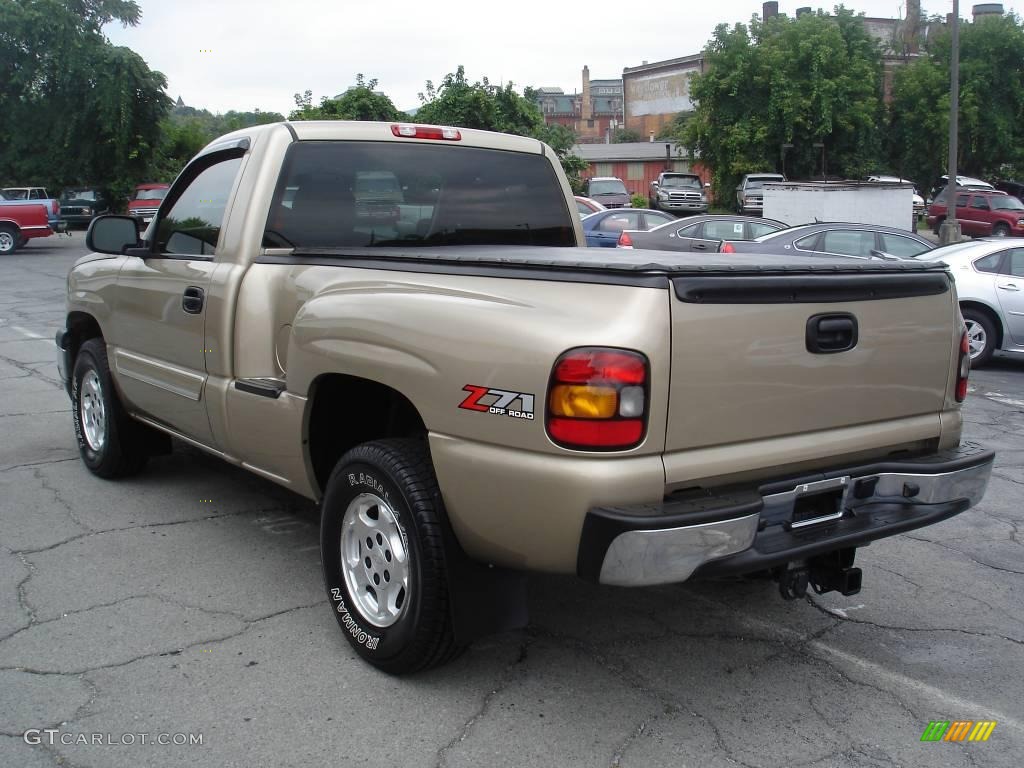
[[979, 306], [344, 411], [81, 327]]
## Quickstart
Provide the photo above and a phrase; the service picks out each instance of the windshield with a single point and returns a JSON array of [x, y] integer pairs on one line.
[[79, 194], [607, 187], [442, 195], [758, 182], [150, 194], [682, 182], [1000, 203]]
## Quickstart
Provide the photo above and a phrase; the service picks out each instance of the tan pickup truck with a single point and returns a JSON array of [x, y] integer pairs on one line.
[[472, 396]]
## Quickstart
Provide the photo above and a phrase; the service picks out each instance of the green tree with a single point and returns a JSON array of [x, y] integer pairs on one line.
[[360, 102], [991, 127], [812, 79], [459, 102], [75, 109], [624, 136]]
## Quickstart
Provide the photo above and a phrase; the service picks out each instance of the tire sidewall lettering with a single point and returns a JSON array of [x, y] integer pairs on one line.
[[369, 640]]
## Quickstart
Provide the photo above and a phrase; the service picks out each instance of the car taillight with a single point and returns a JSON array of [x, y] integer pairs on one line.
[[625, 241], [726, 248], [963, 368], [597, 399], [407, 131]]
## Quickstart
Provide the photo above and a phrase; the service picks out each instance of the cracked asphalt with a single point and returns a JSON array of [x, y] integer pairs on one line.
[[138, 608]]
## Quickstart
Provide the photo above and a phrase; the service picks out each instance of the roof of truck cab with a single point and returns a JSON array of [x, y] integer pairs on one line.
[[364, 130]]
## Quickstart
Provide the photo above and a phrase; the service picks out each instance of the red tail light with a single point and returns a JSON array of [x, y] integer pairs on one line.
[[597, 399], [727, 248], [963, 369], [625, 241], [407, 131]]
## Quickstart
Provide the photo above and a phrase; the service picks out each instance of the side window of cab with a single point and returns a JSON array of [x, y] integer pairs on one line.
[[191, 226]]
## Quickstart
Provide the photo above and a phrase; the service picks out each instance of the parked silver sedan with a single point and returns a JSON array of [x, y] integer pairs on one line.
[[989, 277]]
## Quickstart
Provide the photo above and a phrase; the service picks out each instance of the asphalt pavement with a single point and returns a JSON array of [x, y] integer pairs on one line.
[[185, 605]]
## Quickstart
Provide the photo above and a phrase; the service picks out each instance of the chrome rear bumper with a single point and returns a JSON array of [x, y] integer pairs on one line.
[[740, 530]]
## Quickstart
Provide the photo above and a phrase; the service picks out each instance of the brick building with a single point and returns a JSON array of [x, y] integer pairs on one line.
[[594, 114]]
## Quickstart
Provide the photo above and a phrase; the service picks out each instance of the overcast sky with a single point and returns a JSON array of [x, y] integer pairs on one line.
[[243, 54]]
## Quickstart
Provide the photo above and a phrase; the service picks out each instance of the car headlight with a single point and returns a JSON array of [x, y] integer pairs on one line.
[[1020, 222], [87, 211], [662, 195]]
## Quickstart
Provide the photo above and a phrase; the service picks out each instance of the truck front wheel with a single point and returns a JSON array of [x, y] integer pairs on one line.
[[110, 442], [383, 556]]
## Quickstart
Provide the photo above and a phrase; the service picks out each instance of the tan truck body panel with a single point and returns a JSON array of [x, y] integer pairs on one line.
[[718, 412]]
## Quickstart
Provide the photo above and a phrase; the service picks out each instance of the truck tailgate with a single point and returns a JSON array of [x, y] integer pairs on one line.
[[762, 356]]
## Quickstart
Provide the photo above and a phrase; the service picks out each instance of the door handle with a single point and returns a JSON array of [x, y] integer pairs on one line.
[[831, 332], [192, 300], [1009, 287], [700, 246]]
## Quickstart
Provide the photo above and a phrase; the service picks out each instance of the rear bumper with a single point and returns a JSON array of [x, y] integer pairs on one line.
[[748, 529]]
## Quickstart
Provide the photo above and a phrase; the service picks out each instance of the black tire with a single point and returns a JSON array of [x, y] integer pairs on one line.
[[1001, 229], [398, 472], [125, 445], [985, 322], [10, 240]]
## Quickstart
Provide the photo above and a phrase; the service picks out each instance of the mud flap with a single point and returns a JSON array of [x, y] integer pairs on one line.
[[484, 599]]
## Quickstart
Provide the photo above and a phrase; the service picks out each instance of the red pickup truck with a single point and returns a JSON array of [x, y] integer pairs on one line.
[[20, 222]]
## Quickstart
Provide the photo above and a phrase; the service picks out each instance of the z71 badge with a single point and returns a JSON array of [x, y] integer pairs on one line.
[[497, 401]]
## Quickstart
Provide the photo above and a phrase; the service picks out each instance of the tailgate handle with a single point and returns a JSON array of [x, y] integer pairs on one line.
[[831, 332]]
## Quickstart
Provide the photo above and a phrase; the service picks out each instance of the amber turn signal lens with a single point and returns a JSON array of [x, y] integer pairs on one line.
[[583, 401]]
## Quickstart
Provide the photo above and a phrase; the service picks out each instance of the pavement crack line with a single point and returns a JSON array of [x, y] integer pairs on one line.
[[248, 625], [964, 554], [12, 467], [619, 668], [504, 680], [140, 526], [898, 628]]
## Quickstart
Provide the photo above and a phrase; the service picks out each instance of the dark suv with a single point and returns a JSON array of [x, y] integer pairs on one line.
[[80, 205], [1014, 188], [981, 213]]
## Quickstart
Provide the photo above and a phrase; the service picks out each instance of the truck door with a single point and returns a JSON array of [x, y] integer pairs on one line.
[[980, 215], [1010, 289], [159, 335]]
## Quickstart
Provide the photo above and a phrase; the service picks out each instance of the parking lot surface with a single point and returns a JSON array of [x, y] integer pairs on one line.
[[187, 604]]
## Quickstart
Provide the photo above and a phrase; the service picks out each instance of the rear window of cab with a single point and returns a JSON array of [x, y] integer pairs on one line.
[[348, 194]]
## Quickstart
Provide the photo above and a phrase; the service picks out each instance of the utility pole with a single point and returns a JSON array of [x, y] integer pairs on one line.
[[949, 232]]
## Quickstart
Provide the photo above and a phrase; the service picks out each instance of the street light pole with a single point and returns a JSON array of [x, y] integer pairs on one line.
[[949, 232], [782, 151]]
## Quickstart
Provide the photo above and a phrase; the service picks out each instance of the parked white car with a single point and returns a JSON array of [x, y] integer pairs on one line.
[[989, 277]]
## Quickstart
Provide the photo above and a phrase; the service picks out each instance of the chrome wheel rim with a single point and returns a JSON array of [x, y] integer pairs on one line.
[[977, 339], [1000, 232], [6, 242], [375, 560], [92, 411]]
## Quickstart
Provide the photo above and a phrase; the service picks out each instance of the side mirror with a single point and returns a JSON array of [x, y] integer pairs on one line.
[[654, 183], [112, 234]]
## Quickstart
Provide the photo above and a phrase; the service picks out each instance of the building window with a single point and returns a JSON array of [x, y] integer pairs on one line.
[[635, 172], [602, 169], [590, 123]]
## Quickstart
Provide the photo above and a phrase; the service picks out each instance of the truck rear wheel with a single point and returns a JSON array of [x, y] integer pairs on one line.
[[383, 556], [110, 442], [9, 240]]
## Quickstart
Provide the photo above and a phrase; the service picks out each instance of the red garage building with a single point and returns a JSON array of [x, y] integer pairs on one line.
[[636, 163]]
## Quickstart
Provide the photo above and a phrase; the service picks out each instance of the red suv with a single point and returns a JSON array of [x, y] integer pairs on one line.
[[981, 212]]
